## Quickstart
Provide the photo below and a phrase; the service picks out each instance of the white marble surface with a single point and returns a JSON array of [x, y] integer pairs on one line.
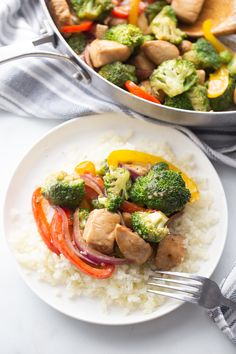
[[28, 326]]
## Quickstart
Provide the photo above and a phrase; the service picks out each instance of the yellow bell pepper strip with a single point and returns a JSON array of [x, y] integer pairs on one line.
[[131, 156], [207, 31], [85, 167], [133, 14], [218, 82]]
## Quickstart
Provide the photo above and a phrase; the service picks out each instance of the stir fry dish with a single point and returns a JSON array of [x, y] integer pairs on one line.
[[121, 213], [140, 48]]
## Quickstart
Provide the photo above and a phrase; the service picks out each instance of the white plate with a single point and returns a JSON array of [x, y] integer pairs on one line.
[[47, 156]]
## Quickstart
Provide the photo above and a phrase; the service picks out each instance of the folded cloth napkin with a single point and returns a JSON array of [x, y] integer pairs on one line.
[[46, 89]]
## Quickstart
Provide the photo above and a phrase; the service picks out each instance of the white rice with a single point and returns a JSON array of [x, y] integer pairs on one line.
[[127, 287]]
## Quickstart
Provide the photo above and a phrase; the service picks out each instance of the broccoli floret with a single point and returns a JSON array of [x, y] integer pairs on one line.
[[180, 101], [163, 190], [103, 168], [117, 183], [195, 99], [153, 9], [164, 26], [112, 203], [198, 97], [92, 9], [129, 35], [83, 215], [174, 77], [226, 57], [64, 190], [148, 37], [150, 226], [118, 73], [160, 166], [203, 55], [225, 101], [78, 42], [232, 66]]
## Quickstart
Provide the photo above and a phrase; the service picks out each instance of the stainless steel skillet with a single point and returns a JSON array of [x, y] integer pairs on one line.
[[83, 72]]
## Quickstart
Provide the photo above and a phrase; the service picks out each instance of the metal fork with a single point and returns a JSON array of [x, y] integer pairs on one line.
[[189, 287]]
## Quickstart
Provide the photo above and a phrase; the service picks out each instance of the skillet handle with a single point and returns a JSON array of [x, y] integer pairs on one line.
[[29, 49]]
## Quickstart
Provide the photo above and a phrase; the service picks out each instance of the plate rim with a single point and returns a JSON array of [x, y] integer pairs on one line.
[[21, 270]]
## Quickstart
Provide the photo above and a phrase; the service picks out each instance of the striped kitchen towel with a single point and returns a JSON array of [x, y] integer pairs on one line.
[[46, 89], [224, 317]]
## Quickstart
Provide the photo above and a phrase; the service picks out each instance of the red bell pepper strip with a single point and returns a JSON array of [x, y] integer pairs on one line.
[[69, 215], [54, 231], [58, 235], [82, 27], [120, 12], [129, 207], [90, 194], [41, 220], [137, 91]]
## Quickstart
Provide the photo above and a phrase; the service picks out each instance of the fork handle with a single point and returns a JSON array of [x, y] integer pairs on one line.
[[229, 303]]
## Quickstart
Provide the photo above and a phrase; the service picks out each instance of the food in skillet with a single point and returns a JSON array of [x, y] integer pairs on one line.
[[140, 48], [119, 214]]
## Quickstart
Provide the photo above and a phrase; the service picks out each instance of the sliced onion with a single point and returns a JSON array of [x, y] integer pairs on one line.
[[173, 218], [88, 251], [133, 174], [91, 182], [67, 235]]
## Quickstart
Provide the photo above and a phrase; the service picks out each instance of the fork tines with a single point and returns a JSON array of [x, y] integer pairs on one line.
[[181, 286]]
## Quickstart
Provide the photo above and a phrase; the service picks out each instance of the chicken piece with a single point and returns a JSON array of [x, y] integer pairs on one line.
[[60, 12], [185, 46], [201, 76], [104, 52], [145, 85], [172, 219], [100, 31], [132, 246], [86, 57], [170, 252], [158, 51], [99, 230], [142, 23], [144, 67], [187, 10], [127, 219]]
